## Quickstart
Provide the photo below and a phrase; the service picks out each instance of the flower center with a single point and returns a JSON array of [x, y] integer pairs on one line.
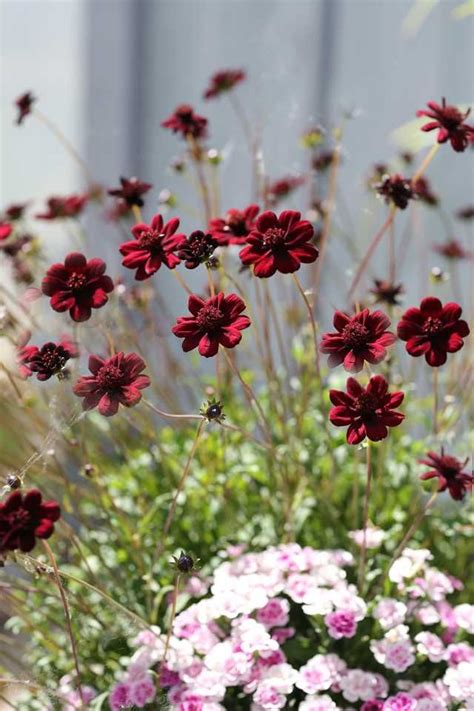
[[449, 467], [151, 240], [210, 318], [366, 405], [109, 377], [355, 334], [235, 223], [19, 518], [77, 281], [274, 237], [451, 117], [53, 359], [432, 326]]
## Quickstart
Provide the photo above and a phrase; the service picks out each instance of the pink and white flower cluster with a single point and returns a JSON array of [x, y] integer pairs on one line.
[[286, 626]]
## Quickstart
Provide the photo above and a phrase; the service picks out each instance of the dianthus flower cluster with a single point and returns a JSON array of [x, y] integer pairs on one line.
[[269, 630]]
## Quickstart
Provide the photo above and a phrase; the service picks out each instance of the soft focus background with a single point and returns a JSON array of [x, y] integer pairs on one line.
[[108, 71]]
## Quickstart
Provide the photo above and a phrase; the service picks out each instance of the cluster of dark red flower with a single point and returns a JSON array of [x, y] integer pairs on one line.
[[269, 243]]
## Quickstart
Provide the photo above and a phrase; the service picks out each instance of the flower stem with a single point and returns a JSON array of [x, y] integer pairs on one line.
[[312, 322], [328, 215], [170, 627], [196, 154], [137, 213], [68, 618], [252, 398], [66, 143], [422, 169], [371, 249], [435, 401], [169, 415], [181, 483], [363, 553], [181, 281]]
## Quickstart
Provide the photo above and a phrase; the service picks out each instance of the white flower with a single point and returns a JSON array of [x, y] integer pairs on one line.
[[431, 646], [464, 616], [460, 681], [389, 612]]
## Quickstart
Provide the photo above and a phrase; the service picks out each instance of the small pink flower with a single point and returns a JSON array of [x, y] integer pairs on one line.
[[399, 656], [142, 691], [341, 623], [275, 613], [400, 702], [120, 697]]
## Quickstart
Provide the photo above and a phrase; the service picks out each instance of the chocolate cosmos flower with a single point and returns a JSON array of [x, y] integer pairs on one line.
[[397, 190], [449, 472], [283, 187], [215, 321], [154, 244], [223, 81], [77, 286], [25, 517], [279, 244], [235, 226], [433, 330], [452, 249], [386, 292], [115, 381], [24, 104], [197, 249], [360, 338], [368, 411], [61, 207], [449, 122], [46, 361], [131, 191], [184, 121]]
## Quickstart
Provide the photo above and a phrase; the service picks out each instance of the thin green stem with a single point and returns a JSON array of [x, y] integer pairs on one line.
[[363, 553]]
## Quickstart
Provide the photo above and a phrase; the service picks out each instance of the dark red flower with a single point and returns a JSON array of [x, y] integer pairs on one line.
[[154, 245], [197, 249], [15, 211], [359, 338], [372, 705], [450, 474], [61, 207], [24, 518], [368, 411], [322, 160], [433, 330], [234, 227], [223, 81], [5, 230], [115, 381], [283, 187], [449, 122], [131, 191], [215, 321], [184, 121], [46, 361], [424, 192], [77, 286], [465, 213], [24, 104], [452, 249], [396, 189], [386, 292], [279, 244]]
